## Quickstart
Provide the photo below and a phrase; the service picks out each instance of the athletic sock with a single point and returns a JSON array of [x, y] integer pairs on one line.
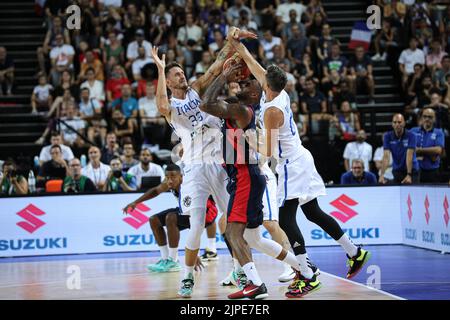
[[237, 265], [348, 246], [291, 261], [252, 273], [188, 271], [173, 253], [305, 270], [212, 245], [164, 252]]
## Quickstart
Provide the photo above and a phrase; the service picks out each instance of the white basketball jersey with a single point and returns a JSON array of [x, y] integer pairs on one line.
[[289, 143], [200, 133]]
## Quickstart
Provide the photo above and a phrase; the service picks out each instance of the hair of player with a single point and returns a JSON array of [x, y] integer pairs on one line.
[[170, 66], [173, 167], [276, 78]]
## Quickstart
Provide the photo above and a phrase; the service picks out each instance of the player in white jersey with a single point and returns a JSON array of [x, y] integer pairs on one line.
[[299, 182]]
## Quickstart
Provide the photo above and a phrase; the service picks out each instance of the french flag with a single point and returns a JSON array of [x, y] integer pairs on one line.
[[361, 36]]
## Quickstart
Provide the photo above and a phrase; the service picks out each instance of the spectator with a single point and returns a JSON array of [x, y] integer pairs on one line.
[[132, 49], [67, 83], [434, 57], [358, 175], [378, 160], [126, 103], [111, 149], [313, 101], [160, 34], [439, 76], [336, 62], [300, 120], [90, 108], [267, 44], [96, 88], [430, 146], [55, 139], [325, 43], [401, 143], [190, 38], [139, 63], [346, 122], [75, 182], [72, 128], [118, 180], [127, 158], [217, 45], [42, 95], [234, 11], [6, 72], [408, 58], [115, 83], [146, 168], [154, 124], [216, 23], [54, 169], [90, 61], [122, 127], [263, 12], [358, 149], [385, 40], [205, 63], [244, 22], [96, 170], [284, 9], [11, 181], [441, 111], [297, 45], [361, 73], [61, 57], [288, 28], [342, 94], [112, 47], [290, 89]]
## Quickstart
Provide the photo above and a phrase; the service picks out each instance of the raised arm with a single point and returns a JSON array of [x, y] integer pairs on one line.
[[162, 100]]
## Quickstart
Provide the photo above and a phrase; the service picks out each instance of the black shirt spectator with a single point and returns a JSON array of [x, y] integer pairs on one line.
[[313, 101]]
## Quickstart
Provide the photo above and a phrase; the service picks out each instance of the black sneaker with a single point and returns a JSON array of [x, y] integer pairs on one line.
[[209, 256], [302, 286], [356, 263]]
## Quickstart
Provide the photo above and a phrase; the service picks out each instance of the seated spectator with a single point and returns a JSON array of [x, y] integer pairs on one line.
[[358, 149], [41, 97], [285, 8], [72, 128], [160, 34], [61, 57], [112, 47], [66, 83], [146, 168], [115, 83], [233, 12], [122, 127], [335, 62], [91, 62], [128, 159], [288, 28], [346, 122], [244, 21], [117, 179], [111, 149], [267, 43], [11, 182], [440, 74], [96, 170], [126, 103], [217, 45], [304, 69], [315, 6], [154, 124], [90, 108], [96, 88], [314, 29], [300, 120], [313, 101], [75, 182], [204, 64], [434, 57], [342, 94], [54, 169], [132, 49], [55, 139], [6, 72], [361, 74], [409, 58], [325, 42], [279, 58], [385, 39], [378, 160], [441, 112], [297, 45], [290, 89], [139, 63], [358, 175], [190, 37]]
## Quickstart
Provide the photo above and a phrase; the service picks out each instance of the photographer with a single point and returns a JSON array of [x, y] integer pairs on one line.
[[117, 180], [75, 182], [11, 182]]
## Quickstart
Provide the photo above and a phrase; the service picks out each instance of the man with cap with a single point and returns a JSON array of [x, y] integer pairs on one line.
[[132, 49]]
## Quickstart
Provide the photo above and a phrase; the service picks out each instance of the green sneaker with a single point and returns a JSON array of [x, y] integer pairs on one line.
[[170, 266], [157, 266], [356, 263], [240, 279], [187, 286]]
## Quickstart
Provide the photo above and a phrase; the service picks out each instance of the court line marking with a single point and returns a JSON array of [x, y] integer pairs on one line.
[[363, 285]]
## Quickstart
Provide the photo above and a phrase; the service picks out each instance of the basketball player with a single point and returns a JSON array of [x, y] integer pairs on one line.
[[299, 182], [246, 183], [172, 220], [200, 137]]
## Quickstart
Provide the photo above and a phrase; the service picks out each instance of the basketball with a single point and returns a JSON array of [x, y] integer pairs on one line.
[[245, 71]]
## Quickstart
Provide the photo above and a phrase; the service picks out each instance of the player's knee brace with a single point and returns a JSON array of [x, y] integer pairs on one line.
[[197, 222]]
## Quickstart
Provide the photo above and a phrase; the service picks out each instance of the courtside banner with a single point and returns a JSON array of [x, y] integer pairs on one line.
[[425, 217], [369, 215]]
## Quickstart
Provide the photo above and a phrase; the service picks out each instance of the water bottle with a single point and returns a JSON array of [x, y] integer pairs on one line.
[[83, 161], [36, 161], [31, 182]]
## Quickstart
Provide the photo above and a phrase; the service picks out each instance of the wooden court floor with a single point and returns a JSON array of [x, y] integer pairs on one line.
[[128, 278]]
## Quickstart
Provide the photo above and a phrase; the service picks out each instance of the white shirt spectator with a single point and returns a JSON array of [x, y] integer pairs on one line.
[[233, 13], [62, 54], [99, 175], [45, 155], [409, 58], [284, 8], [268, 46], [111, 3], [193, 32], [42, 92], [68, 134], [138, 64], [378, 156], [132, 49], [355, 150], [88, 109], [149, 107], [97, 91], [154, 170]]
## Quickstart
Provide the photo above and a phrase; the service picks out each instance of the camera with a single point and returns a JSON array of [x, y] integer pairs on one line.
[[117, 173], [71, 188]]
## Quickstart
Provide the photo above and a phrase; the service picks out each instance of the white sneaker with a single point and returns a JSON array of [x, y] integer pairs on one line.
[[383, 57], [376, 57], [229, 280], [287, 275]]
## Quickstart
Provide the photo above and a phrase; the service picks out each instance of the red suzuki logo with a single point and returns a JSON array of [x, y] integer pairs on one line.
[[446, 216], [137, 219], [31, 223], [343, 204], [427, 205], [409, 203]]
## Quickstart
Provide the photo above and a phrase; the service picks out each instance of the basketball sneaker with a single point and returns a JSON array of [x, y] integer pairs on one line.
[[288, 274], [209, 256], [240, 279], [156, 266], [230, 280], [313, 267], [187, 286], [170, 265], [356, 263], [302, 286], [250, 291]]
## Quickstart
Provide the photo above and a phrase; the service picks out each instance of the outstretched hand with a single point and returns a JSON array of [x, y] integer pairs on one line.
[[233, 72], [160, 62], [236, 34]]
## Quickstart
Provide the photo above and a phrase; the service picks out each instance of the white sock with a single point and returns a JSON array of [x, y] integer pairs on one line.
[[291, 261], [237, 265], [252, 273], [188, 271], [348, 246], [212, 245], [173, 253], [164, 252], [305, 270]]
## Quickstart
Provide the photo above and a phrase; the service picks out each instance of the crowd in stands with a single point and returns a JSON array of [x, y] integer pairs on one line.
[[96, 85]]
